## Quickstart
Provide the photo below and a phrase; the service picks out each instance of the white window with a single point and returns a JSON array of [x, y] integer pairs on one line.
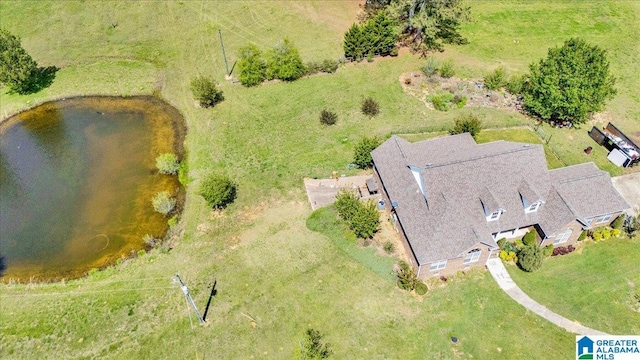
[[494, 215], [604, 218], [438, 265], [472, 256], [533, 207], [563, 237]]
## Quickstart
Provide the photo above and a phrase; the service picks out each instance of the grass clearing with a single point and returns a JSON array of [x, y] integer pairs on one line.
[[267, 263], [593, 286]]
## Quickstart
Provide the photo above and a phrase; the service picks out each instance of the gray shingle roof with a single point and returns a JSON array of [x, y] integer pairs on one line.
[[460, 175]]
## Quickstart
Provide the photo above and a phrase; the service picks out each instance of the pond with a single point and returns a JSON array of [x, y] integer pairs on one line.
[[76, 181]]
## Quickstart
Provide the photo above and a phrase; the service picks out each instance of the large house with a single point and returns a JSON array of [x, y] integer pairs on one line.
[[451, 199]]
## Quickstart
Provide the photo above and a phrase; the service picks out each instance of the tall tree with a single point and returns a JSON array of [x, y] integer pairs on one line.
[[571, 83], [353, 42], [17, 69], [428, 24], [380, 33]]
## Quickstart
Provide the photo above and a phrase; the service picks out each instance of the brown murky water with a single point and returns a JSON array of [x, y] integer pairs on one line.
[[76, 181]]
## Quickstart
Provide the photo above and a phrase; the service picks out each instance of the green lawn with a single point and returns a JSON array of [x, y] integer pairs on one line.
[[594, 286], [524, 135], [267, 263]]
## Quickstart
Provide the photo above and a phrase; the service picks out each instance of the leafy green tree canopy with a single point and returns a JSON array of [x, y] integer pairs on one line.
[[284, 62], [428, 24], [17, 69], [570, 84], [362, 152], [253, 69], [205, 91], [218, 191]]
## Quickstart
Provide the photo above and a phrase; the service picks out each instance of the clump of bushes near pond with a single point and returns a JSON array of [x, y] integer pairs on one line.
[[163, 203], [281, 62], [168, 164]]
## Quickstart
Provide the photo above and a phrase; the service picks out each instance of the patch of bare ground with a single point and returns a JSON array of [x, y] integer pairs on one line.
[[417, 84]]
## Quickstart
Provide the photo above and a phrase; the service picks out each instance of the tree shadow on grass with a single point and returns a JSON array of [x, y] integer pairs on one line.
[[42, 78]]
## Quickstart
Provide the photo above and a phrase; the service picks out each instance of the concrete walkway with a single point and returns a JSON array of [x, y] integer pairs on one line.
[[503, 279]]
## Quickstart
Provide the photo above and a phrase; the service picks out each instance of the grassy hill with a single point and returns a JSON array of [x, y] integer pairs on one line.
[[267, 264]]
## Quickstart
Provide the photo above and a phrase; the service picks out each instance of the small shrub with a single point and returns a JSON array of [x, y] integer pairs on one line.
[[218, 190], [501, 243], [459, 100], [606, 233], [597, 236], [204, 90], [583, 235], [313, 67], [467, 123], [163, 203], [388, 247], [530, 238], [563, 250], [430, 66], [329, 66], [150, 240], [518, 244], [407, 81], [347, 204], [370, 107], [447, 69], [616, 232], [173, 221], [328, 117], [530, 258], [548, 250], [362, 152], [313, 348], [366, 220], [394, 52], [496, 79], [631, 225], [618, 222], [507, 255], [441, 102], [421, 288], [406, 277], [443, 278], [183, 174], [515, 84], [141, 252], [167, 164], [370, 57]]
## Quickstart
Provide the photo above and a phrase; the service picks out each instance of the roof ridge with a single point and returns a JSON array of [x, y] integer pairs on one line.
[[588, 176], [523, 148], [395, 140]]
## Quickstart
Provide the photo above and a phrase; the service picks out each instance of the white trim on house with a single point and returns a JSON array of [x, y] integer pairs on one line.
[[439, 265], [495, 215], [472, 256], [604, 218], [562, 237], [533, 207]]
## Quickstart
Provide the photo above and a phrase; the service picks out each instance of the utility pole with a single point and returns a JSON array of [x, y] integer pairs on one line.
[[213, 292], [185, 290], [226, 64]]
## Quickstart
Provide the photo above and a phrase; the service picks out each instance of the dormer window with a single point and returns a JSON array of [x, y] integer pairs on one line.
[[494, 215], [533, 207]]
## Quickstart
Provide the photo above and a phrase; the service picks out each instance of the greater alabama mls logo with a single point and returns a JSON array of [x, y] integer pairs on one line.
[[607, 347]]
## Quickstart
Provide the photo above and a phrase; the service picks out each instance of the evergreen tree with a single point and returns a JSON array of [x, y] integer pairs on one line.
[[17, 69], [428, 24], [381, 34], [354, 42]]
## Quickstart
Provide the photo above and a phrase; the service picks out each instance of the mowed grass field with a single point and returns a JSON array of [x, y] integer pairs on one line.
[[267, 264], [595, 286]]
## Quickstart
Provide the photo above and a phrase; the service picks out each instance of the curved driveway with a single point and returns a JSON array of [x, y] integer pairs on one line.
[[503, 279]]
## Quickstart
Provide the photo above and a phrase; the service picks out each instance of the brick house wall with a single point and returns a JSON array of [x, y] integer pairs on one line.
[[457, 264]]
